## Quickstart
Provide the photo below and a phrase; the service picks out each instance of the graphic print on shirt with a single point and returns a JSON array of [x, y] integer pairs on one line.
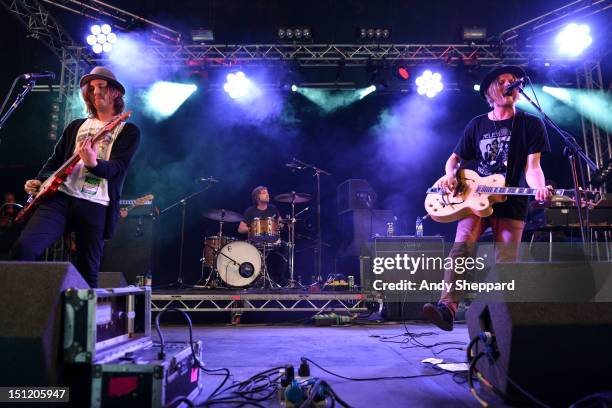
[[91, 183], [494, 152]]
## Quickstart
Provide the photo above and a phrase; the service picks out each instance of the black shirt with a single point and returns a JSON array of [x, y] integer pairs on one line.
[[502, 147], [254, 212]]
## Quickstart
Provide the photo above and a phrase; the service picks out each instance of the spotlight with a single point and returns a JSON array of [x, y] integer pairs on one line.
[[366, 91], [294, 88], [295, 34], [164, 98], [237, 85], [101, 38], [573, 39], [429, 84], [477, 87], [473, 35], [202, 35], [373, 34]]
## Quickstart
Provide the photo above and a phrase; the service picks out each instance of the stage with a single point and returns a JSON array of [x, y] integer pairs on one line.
[[356, 351]]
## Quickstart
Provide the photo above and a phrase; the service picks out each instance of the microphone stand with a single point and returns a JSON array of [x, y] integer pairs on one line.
[[317, 173], [20, 97], [574, 153], [183, 203]]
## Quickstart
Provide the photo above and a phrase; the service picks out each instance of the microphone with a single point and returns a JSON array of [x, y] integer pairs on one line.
[[209, 179], [516, 84], [45, 75]]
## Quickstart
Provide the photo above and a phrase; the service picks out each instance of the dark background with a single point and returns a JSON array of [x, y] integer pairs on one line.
[[397, 141]]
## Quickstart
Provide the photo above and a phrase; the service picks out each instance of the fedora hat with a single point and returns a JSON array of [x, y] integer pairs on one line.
[[102, 73], [518, 72]]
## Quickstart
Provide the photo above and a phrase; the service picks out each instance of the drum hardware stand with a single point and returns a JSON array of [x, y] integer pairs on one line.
[[265, 275], [183, 202], [300, 165], [291, 244]]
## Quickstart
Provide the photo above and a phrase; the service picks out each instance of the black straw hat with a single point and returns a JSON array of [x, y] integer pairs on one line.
[[518, 72]]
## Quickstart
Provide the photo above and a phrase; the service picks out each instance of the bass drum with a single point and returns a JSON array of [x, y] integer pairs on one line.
[[239, 263]]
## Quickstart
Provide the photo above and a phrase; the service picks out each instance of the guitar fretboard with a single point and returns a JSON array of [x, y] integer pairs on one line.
[[506, 191]]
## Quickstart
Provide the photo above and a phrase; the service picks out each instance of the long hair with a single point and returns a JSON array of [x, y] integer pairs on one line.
[[117, 96], [495, 91], [255, 193]]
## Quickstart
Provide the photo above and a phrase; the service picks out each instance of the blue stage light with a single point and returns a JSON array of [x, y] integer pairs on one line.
[[237, 85], [164, 98], [429, 84], [574, 39]]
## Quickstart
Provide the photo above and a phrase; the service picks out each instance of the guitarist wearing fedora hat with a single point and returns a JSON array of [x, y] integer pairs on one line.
[[88, 200], [502, 141]]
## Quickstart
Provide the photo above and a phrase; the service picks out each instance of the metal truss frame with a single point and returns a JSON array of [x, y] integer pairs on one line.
[[356, 55], [596, 141], [42, 26], [258, 302]]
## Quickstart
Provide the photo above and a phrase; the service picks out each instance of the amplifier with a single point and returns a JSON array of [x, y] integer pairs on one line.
[[355, 194], [403, 305], [141, 379], [567, 217], [102, 323]]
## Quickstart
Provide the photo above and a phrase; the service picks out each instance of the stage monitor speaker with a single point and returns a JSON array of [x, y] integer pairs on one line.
[[358, 226], [558, 352], [31, 321], [131, 249], [111, 280], [355, 194]]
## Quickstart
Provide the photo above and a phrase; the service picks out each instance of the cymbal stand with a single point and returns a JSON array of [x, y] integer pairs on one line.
[[291, 244], [300, 165]]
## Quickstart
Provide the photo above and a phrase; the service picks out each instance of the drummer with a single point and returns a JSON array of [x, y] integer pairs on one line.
[[261, 208]]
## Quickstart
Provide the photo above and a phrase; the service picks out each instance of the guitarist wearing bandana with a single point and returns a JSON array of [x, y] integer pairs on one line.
[[505, 142], [87, 201]]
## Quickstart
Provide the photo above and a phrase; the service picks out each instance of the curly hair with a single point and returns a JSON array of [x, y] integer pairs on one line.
[[118, 103]]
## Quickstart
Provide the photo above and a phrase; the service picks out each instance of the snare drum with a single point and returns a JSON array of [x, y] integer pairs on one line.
[[239, 263], [264, 231], [212, 245]]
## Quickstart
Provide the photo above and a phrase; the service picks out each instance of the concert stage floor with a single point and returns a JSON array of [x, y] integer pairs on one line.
[[355, 351]]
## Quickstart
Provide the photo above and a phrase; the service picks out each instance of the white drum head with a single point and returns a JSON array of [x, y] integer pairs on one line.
[[239, 263]]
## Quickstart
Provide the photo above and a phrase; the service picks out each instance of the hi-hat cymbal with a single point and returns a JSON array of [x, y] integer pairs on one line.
[[293, 197], [223, 215]]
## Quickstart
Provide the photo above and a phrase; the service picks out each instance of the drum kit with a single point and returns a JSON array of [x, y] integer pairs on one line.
[[235, 263]]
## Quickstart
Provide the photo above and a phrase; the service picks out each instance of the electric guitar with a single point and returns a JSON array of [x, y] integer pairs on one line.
[[50, 186], [476, 195], [128, 205]]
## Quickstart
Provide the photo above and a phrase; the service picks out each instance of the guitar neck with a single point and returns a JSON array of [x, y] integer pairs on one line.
[[518, 191]]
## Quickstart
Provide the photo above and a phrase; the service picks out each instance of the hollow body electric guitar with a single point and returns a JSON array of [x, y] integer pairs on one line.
[[476, 195], [50, 186]]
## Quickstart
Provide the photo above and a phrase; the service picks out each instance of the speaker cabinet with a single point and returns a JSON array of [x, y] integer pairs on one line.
[[131, 249], [31, 321], [558, 352]]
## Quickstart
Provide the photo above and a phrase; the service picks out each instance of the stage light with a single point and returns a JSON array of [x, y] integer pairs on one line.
[[574, 39], [403, 73], [559, 93], [477, 87], [202, 35], [473, 35], [295, 34], [101, 38], [294, 88], [373, 34], [595, 105], [429, 84], [362, 93], [164, 98], [237, 85]]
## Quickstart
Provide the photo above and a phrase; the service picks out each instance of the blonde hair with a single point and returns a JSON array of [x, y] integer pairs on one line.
[[495, 91]]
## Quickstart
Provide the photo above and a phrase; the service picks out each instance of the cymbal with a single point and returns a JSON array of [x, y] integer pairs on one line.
[[293, 197], [223, 215]]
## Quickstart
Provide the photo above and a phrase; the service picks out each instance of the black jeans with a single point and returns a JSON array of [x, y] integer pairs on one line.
[[49, 222]]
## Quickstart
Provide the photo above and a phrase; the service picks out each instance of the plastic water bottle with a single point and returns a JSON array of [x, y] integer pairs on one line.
[[419, 227]]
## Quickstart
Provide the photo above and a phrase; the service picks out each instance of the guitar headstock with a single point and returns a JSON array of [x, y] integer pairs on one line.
[[143, 200]]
